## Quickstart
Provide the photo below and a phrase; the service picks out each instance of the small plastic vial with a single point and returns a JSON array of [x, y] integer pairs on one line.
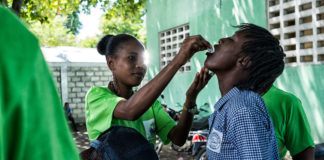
[[210, 50]]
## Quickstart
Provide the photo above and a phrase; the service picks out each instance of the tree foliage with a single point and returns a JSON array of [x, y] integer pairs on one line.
[[118, 25], [125, 16], [53, 33], [73, 23], [122, 16], [89, 42], [43, 10]]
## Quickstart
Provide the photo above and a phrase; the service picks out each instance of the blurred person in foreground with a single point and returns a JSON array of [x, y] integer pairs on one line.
[[32, 122]]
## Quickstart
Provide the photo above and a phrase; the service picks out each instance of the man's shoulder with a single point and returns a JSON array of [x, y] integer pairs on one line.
[[246, 97], [275, 92], [246, 101]]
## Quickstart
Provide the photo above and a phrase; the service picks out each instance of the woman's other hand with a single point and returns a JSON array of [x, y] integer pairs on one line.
[[200, 81]]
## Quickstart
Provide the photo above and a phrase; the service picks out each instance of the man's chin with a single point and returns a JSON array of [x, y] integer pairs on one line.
[[206, 64]]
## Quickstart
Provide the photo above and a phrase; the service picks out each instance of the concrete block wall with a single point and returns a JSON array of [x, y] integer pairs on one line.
[[73, 81], [56, 72], [80, 80]]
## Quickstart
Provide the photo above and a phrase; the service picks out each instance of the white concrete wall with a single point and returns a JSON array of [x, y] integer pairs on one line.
[[73, 81]]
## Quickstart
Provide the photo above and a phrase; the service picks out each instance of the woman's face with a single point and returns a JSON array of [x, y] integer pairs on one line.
[[128, 65]]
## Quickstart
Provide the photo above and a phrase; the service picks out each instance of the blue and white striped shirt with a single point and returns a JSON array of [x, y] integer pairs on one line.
[[241, 128]]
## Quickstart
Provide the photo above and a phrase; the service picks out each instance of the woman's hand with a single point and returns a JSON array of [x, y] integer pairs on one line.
[[191, 45], [179, 133], [200, 81]]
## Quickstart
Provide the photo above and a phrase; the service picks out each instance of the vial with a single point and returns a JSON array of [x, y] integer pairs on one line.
[[210, 50]]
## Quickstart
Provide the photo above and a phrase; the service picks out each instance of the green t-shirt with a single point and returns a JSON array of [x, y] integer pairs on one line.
[[32, 121], [289, 120], [100, 105]]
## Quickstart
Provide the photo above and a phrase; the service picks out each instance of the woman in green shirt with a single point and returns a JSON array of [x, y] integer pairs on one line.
[[117, 104]]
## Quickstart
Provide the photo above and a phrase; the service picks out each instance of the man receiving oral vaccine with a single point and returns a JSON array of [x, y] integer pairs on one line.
[[246, 65]]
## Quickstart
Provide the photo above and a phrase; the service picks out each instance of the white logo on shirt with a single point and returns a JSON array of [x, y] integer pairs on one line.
[[214, 142], [149, 128]]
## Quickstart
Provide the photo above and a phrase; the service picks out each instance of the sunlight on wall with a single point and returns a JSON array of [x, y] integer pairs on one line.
[[146, 57], [198, 64], [238, 12]]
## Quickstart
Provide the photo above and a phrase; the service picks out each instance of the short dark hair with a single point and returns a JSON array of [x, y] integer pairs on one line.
[[109, 44], [66, 103], [266, 58]]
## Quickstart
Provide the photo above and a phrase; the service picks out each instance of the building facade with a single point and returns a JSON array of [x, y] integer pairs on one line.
[[297, 23]]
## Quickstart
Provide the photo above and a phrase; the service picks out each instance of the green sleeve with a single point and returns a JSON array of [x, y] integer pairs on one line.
[[100, 105], [163, 121], [32, 121], [49, 135], [297, 136]]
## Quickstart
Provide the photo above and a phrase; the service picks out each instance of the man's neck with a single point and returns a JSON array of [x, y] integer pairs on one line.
[[225, 85], [227, 81]]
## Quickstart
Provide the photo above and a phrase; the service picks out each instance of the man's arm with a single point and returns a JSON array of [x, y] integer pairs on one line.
[[298, 128]]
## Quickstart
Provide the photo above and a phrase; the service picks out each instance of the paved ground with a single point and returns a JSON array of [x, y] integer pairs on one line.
[[82, 141]]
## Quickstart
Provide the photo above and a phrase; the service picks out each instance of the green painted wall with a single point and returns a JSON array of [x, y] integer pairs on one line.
[[213, 20]]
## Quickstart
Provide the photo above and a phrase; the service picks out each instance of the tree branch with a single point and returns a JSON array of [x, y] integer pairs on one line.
[[16, 6]]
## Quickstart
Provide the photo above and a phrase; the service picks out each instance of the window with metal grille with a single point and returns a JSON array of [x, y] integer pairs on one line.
[[170, 43], [299, 25]]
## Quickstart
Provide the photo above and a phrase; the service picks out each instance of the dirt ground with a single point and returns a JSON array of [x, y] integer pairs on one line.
[[82, 142], [168, 154]]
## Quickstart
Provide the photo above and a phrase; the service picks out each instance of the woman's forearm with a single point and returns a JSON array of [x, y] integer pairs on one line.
[[140, 101], [178, 135]]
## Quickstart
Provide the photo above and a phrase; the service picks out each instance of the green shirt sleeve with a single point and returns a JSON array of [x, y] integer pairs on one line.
[[289, 120], [100, 105], [298, 135], [32, 121], [163, 121]]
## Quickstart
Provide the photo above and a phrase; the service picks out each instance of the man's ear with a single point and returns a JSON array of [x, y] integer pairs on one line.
[[244, 62], [111, 63]]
